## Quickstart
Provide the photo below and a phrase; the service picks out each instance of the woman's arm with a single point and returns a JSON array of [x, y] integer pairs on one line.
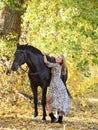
[[49, 64]]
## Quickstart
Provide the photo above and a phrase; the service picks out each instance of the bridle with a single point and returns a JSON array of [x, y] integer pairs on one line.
[[24, 51]]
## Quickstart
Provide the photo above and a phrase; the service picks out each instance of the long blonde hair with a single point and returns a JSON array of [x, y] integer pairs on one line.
[[64, 66]]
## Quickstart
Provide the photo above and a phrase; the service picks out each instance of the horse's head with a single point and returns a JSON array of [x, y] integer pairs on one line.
[[20, 58], [30, 55]]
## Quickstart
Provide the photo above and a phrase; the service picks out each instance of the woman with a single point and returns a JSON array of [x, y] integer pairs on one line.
[[58, 97]]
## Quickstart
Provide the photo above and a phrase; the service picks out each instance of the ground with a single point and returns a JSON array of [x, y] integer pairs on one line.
[[17, 115]]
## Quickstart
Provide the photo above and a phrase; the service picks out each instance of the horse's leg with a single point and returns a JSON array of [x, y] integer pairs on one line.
[[44, 90], [34, 89]]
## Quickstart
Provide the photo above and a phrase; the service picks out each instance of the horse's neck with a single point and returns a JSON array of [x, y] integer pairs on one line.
[[33, 62]]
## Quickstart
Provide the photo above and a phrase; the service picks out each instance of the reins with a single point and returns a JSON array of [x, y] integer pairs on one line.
[[30, 72], [35, 73], [23, 69]]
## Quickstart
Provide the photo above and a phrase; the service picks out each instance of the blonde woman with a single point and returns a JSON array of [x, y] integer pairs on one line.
[[58, 97]]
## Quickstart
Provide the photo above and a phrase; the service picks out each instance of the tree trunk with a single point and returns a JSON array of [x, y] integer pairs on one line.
[[2, 15], [12, 20]]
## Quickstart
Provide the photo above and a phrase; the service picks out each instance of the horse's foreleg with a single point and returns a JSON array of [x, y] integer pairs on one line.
[[44, 90], [34, 89]]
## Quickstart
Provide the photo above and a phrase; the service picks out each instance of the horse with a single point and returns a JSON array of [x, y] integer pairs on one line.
[[39, 74]]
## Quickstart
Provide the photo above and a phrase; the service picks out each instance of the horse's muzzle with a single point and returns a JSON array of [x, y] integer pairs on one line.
[[14, 67]]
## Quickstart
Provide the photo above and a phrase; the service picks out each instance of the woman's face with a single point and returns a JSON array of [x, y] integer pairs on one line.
[[59, 59]]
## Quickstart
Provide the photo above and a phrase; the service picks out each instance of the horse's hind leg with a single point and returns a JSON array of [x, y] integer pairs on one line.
[[44, 90]]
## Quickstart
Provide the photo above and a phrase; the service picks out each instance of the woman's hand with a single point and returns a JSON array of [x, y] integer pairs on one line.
[[45, 59]]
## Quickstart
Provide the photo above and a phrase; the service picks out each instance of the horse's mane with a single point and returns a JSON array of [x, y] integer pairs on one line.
[[30, 48]]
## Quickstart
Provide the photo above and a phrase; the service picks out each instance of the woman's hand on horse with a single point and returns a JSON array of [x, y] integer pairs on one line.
[[45, 59]]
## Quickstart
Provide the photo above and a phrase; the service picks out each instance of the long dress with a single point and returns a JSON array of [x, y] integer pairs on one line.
[[57, 90]]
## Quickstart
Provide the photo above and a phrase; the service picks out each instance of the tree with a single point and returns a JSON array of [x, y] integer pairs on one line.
[[12, 19]]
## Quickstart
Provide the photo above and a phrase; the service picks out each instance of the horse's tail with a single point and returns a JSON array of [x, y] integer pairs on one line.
[[68, 92]]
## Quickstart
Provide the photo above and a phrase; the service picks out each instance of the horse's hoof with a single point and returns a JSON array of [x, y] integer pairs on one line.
[[35, 118], [43, 121]]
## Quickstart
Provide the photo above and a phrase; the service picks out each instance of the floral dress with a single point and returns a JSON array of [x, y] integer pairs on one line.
[[57, 90]]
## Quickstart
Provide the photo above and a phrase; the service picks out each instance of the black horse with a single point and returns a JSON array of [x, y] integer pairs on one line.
[[39, 74]]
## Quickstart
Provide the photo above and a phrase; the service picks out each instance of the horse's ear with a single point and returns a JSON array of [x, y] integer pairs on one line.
[[26, 44], [18, 44]]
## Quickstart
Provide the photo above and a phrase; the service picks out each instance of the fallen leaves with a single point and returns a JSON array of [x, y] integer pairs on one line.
[[20, 117]]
